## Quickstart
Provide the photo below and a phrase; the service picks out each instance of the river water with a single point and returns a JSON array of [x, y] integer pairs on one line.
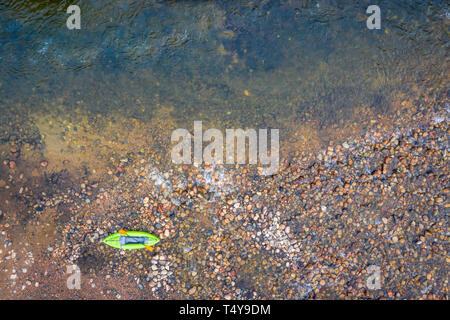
[[80, 104], [241, 64]]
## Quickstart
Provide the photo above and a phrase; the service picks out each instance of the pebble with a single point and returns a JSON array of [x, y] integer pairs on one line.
[[192, 290]]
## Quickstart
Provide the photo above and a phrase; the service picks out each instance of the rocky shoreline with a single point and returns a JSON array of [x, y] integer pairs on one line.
[[309, 232]]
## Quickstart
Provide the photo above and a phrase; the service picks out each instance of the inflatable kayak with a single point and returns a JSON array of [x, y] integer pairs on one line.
[[131, 240]]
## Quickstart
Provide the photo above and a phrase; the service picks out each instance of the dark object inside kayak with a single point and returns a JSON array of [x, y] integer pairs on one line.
[[132, 240]]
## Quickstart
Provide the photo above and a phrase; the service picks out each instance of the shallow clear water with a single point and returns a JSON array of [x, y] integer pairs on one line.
[[248, 63]]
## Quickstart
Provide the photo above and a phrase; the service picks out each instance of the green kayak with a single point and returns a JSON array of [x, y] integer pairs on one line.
[[131, 240]]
